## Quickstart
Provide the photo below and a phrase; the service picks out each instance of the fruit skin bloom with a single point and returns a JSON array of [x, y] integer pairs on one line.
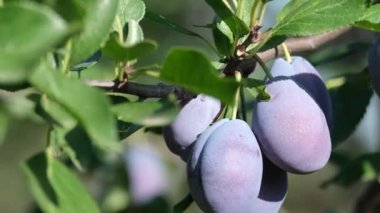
[[191, 121], [147, 174], [225, 168], [292, 127]]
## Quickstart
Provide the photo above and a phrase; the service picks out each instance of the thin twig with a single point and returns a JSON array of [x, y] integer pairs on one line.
[[142, 90], [311, 43], [295, 45], [368, 199], [183, 204]]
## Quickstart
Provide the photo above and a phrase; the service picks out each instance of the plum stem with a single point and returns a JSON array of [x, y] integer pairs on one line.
[[237, 96], [262, 65], [183, 204], [286, 53], [242, 104]]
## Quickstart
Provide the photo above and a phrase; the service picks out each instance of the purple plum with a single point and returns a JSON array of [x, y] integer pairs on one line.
[[225, 168], [308, 78], [191, 121], [273, 188], [147, 174], [291, 128]]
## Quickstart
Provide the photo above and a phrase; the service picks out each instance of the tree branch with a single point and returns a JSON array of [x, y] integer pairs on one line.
[[311, 43], [369, 199], [295, 45], [142, 90]]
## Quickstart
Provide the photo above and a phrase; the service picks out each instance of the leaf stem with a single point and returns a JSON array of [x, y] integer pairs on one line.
[[227, 4], [237, 96], [235, 2], [286, 53], [242, 104], [66, 58], [254, 13], [262, 11], [183, 204], [262, 64], [119, 27]]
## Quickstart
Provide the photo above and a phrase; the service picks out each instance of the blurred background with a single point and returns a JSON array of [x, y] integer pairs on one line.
[[26, 138]]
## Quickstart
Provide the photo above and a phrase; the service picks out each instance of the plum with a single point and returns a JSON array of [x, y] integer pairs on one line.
[[291, 128], [374, 66], [225, 168], [191, 121], [146, 172], [308, 78], [273, 188]]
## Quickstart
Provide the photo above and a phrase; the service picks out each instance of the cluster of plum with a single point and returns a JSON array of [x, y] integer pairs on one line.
[[234, 168]]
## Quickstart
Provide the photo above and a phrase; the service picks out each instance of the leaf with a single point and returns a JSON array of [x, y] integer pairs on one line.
[[97, 24], [27, 32], [3, 126], [365, 167], [244, 10], [368, 25], [175, 27], [120, 52], [71, 10], [55, 188], [88, 105], [129, 10], [372, 14], [237, 26], [223, 38], [89, 62], [349, 100], [289, 8], [370, 19], [311, 17], [191, 69], [152, 113], [17, 105], [135, 33]]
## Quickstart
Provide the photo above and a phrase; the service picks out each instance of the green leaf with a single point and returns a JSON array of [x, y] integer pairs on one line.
[[73, 11], [223, 38], [363, 168], [129, 10], [97, 24], [55, 188], [372, 14], [175, 27], [27, 32], [191, 69], [120, 52], [3, 126], [309, 17], [237, 26], [350, 98], [135, 33], [244, 10], [368, 25], [289, 8], [152, 113], [89, 62], [370, 19], [88, 105], [17, 105]]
